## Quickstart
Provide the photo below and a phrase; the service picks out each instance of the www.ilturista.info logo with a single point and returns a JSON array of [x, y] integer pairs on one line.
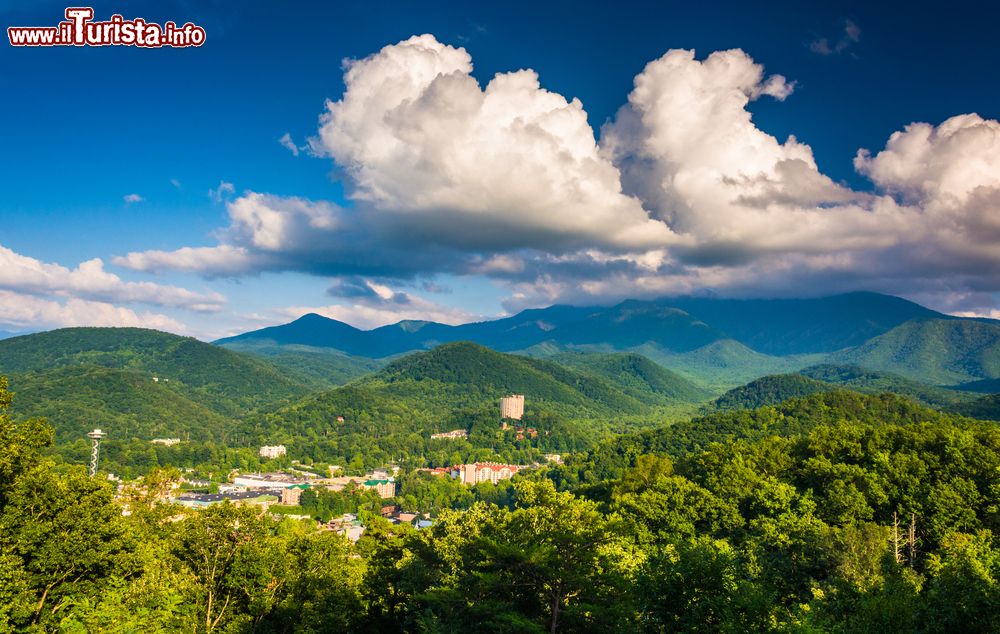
[[79, 29]]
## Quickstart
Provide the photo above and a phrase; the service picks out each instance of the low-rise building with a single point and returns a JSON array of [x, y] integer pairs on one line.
[[272, 451], [440, 471], [526, 432], [258, 497], [267, 481], [347, 524], [452, 435], [166, 442]]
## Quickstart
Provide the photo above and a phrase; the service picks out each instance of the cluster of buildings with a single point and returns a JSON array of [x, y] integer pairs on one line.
[[348, 525], [520, 432], [265, 489], [259, 497], [395, 515], [286, 488], [477, 472], [351, 527]]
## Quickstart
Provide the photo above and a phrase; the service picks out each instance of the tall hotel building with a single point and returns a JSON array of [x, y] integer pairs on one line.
[[512, 406]]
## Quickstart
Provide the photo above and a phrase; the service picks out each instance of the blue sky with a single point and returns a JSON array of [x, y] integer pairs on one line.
[[86, 127]]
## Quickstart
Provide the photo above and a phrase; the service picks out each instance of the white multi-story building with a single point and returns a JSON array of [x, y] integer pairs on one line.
[[512, 406], [272, 451], [486, 472]]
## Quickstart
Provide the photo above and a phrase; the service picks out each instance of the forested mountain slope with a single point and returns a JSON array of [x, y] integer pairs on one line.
[[224, 381]]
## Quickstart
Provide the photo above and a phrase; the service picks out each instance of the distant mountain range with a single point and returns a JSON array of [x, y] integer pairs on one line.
[[778, 327], [719, 343]]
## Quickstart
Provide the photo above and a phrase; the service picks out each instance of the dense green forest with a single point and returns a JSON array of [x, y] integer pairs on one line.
[[636, 375], [986, 407], [727, 363], [837, 512], [853, 377]]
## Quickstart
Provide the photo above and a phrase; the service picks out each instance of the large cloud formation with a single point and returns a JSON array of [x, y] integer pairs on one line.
[[508, 166], [682, 194]]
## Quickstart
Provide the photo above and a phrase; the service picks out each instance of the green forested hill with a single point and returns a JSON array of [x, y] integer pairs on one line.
[[458, 385], [874, 382], [462, 375], [125, 404], [770, 390], [935, 351], [986, 408], [318, 367], [725, 364], [783, 519], [793, 417], [224, 381], [635, 374], [798, 416], [778, 327], [773, 389], [717, 343]]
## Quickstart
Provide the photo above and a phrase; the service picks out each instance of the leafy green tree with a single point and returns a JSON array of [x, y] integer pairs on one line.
[[66, 538], [226, 548]]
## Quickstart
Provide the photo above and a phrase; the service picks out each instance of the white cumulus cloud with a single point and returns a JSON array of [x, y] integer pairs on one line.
[[505, 166], [89, 280]]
